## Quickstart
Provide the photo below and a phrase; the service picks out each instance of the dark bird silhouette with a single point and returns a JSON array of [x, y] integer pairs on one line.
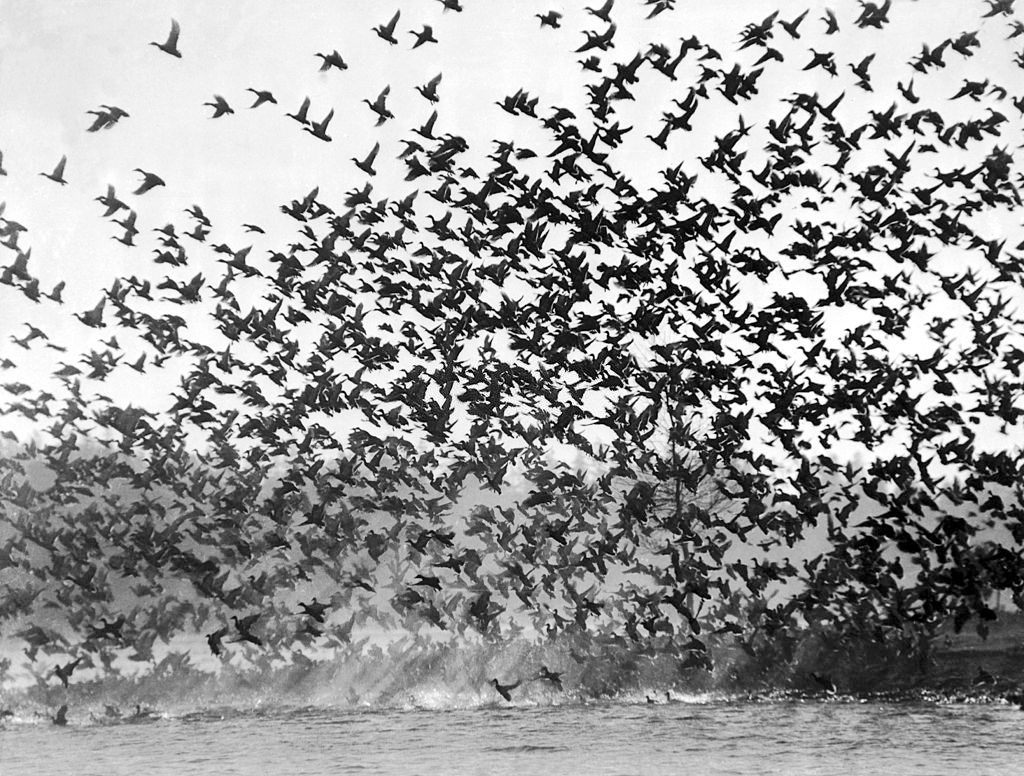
[[429, 90], [220, 106], [387, 31], [318, 129], [331, 60], [301, 113], [315, 609], [106, 117], [426, 35], [214, 641], [550, 676], [366, 165], [505, 690], [831, 23], [170, 46], [552, 19], [63, 672], [244, 628], [149, 182], [261, 97], [861, 71], [604, 13], [57, 176], [379, 106], [598, 40], [792, 27]]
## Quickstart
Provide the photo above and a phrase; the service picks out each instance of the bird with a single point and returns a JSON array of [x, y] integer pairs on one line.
[[149, 182], [93, 318], [214, 641], [2, 170], [61, 717], [220, 106], [106, 117], [318, 129], [387, 31], [262, 97], [379, 107], [57, 176], [429, 90], [244, 628], [792, 27], [831, 23], [861, 71], [300, 114], [505, 690], [426, 35], [63, 672], [550, 19], [170, 46], [604, 13], [366, 165], [315, 609], [551, 676], [331, 60]]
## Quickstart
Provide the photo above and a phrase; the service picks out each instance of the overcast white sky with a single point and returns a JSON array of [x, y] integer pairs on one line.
[[60, 59]]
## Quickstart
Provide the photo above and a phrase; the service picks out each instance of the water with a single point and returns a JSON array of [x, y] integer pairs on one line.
[[700, 737]]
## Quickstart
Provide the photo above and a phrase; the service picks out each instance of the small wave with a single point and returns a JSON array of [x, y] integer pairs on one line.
[[526, 748]]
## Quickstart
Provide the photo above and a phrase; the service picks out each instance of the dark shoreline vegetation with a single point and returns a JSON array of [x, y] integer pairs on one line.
[[752, 428]]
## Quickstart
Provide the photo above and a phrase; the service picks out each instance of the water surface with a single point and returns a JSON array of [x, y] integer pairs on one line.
[[717, 737]]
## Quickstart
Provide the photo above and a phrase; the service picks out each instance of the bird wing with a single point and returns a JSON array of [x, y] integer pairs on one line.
[[172, 39]]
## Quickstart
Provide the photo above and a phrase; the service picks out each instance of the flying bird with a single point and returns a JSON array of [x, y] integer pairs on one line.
[[63, 672], [214, 641], [426, 35], [332, 60], [300, 114], [604, 13], [505, 690], [379, 107], [366, 165], [170, 46], [387, 31], [429, 91], [318, 129], [261, 97], [149, 181], [550, 19], [220, 106], [57, 176]]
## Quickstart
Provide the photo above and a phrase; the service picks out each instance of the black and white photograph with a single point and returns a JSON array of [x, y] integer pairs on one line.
[[513, 387]]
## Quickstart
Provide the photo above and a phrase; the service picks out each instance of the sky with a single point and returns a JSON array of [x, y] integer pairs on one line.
[[61, 59]]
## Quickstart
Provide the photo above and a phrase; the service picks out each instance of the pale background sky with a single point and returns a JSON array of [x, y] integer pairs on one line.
[[60, 59]]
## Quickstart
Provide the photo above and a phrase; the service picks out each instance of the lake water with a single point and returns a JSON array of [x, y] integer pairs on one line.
[[698, 736]]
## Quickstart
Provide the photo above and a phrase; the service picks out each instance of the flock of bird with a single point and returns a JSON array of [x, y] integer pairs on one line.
[[705, 345]]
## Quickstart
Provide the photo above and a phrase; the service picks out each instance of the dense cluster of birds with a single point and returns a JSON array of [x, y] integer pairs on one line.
[[703, 345]]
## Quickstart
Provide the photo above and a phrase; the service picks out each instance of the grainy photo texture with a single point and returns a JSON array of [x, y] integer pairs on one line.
[[522, 387]]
